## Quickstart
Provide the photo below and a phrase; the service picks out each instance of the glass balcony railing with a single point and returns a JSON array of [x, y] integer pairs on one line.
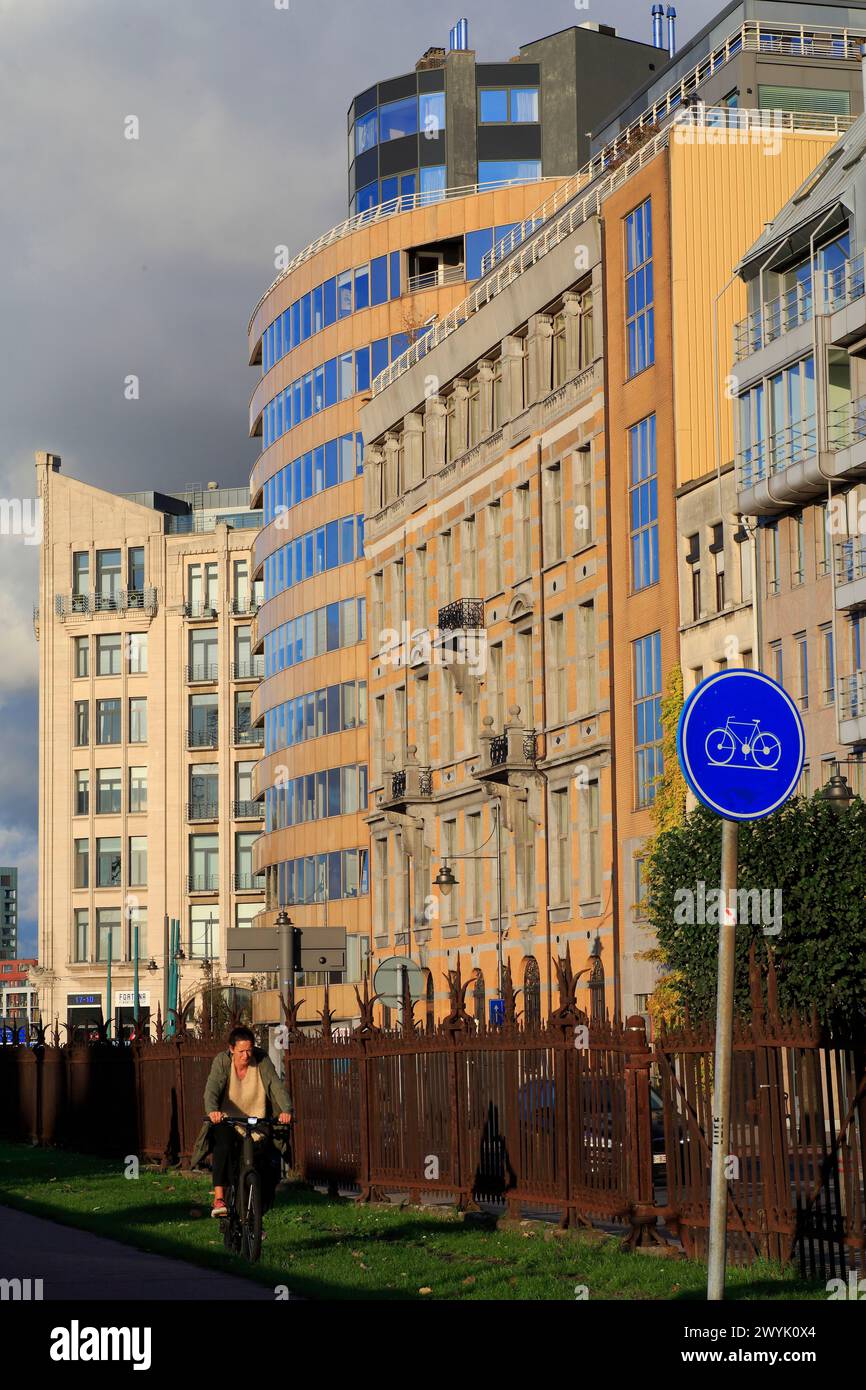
[[846, 424], [844, 284], [771, 320]]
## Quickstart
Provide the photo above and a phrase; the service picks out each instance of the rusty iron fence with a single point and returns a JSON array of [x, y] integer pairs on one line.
[[586, 1122]]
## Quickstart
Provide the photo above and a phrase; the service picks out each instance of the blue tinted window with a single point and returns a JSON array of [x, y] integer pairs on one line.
[[347, 376], [331, 464], [379, 356], [308, 475], [347, 540], [297, 485], [360, 550], [306, 317], [499, 171], [431, 113], [308, 542], [388, 190], [319, 469], [332, 545], [365, 198], [477, 246], [318, 310], [398, 118], [362, 369], [332, 626], [362, 287], [329, 298], [365, 132], [394, 261], [379, 280], [344, 293], [297, 394], [408, 185], [307, 396], [319, 388], [399, 344], [432, 182], [524, 104], [296, 323], [493, 105], [319, 542], [331, 396]]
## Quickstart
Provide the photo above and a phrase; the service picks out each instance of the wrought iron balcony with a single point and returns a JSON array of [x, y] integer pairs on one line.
[[251, 670], [512, 750], [199, 609], [245, 607], [203, 737], [248, 883], [202, 810], [461, 614], [207, 673], [248, 810], [121, 601], [202, 883], [248, 735], [408, 784]]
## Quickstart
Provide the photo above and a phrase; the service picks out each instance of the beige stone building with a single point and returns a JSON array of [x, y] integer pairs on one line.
[[146, 744]]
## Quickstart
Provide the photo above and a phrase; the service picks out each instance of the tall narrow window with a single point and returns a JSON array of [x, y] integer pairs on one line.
[[776, 662], [798, 549], [449, 904], [495, 686], [587, 695], [523, 535], [475, 867], [552, 521], [524, 834], [592, 842], [381, 898], [803, 669], [493, 552], [640, 316], [828, 665], [561, 847], [582, 474], [421, 586], [525, 684], [557, 687], [773, 574], [420, 730], [643, 504], [469, 559], [647, 687]]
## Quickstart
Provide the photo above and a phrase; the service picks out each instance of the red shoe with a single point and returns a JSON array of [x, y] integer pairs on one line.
[[219, 1207]]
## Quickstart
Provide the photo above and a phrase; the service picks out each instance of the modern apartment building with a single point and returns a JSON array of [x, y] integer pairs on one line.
[[19, 997], [146, 741], [801, 437], [457, 122], [8, 913], [488, 632], [665, 263]]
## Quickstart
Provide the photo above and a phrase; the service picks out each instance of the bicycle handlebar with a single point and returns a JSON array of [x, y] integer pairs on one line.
[[253, 1121]]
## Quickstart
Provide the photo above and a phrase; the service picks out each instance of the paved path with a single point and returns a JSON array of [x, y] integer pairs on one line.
[[74, 1264]]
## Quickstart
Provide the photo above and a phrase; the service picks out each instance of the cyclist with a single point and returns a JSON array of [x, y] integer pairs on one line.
[[242, 1081]]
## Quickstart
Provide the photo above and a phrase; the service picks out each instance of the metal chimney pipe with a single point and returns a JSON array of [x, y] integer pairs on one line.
[[658, 14], [463, 34], [672, 31]]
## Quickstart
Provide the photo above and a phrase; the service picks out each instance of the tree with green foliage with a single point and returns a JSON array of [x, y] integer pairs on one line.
[[815, 857]]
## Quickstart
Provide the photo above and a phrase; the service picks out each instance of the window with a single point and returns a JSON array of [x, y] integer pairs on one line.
[[558, 671], [135, 570], [138, 719], [381, 899], [501, 105], [81, 722], [108, 862], [432, 182], [561, 848], [449, 905], [524, 838], [80, 574], [422, 718], [493, 173], [204, 862], [587, 698], [137, 648], [523, 537], [803, 669], [495, 688], [398, 118], [107, 721], [109, 944], [791, 400], [493, 552], [552, 517], [244, 783], [493, 106], [446, 718], [82, 657], [798, 549], [475, 868], [203, 721], [469, 558], [82, 792], [592, 842], [108, 577], [81, 944], [81, 858], [204, 791], [431, 114], [525, 684], [822, 540], [647, 677], [643, 504], [582, 474], [445, 576], [203, 654], [366, 132], [138, 861], [204, 931], [421, 586], [776, 662], [640, 315], [137, 790], [828, 665], [108, 791], [245, 877], [108, 655]]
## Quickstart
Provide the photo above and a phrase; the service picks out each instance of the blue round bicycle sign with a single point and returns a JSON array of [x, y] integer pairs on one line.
[[740, 744]]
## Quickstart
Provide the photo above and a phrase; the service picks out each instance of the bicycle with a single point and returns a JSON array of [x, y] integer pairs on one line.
[[765, 750], [242, 1233]]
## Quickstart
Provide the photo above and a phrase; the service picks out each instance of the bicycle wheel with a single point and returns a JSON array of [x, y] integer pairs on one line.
[[720, 746], [766, 750], [251, 1228], [232, 1226]]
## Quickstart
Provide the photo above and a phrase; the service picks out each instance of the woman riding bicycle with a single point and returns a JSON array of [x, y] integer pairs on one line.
[[242, 1081]]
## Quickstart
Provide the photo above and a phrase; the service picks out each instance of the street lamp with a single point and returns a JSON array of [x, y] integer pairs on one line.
[[837, 793], [445, 880]]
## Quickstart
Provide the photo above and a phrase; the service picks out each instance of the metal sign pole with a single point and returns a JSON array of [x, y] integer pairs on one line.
[[722, 1071]]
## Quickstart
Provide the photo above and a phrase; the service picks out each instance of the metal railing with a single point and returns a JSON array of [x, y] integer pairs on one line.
[[198, 522], [202, 883], [200, 609], [556, 229], [245, 607], [434, 279], [771, 320], [852, 695], [202, 810], [248, 735], [122, 601], [844, 284], [783, 448], [248, 670], [248, 810], [203, 738], [461, 614], [248, 883], [850, 557], [208, 672], [846, 424]]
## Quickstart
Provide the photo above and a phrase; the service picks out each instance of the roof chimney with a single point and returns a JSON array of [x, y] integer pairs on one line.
[[658, 13], [672, 31], [458, 37]]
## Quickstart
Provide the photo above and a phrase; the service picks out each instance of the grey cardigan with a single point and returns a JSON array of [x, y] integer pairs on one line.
[[279, 1100]]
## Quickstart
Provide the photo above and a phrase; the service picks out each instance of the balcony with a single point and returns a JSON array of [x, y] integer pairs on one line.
[[202, 883], [846, 425], [201, 608], [248, 810], [202, 675], [513, 750], [251, 670], [433, 279], [851, 693], [248, 736], [772, 320], [248, 883], [202, 810], [845, 298], [203, 737], [850, 559], [463, 613], [410, 784], [245, 607], [122, 601]]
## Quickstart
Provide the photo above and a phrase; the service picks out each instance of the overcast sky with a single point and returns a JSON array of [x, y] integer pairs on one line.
[[147, 256]]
